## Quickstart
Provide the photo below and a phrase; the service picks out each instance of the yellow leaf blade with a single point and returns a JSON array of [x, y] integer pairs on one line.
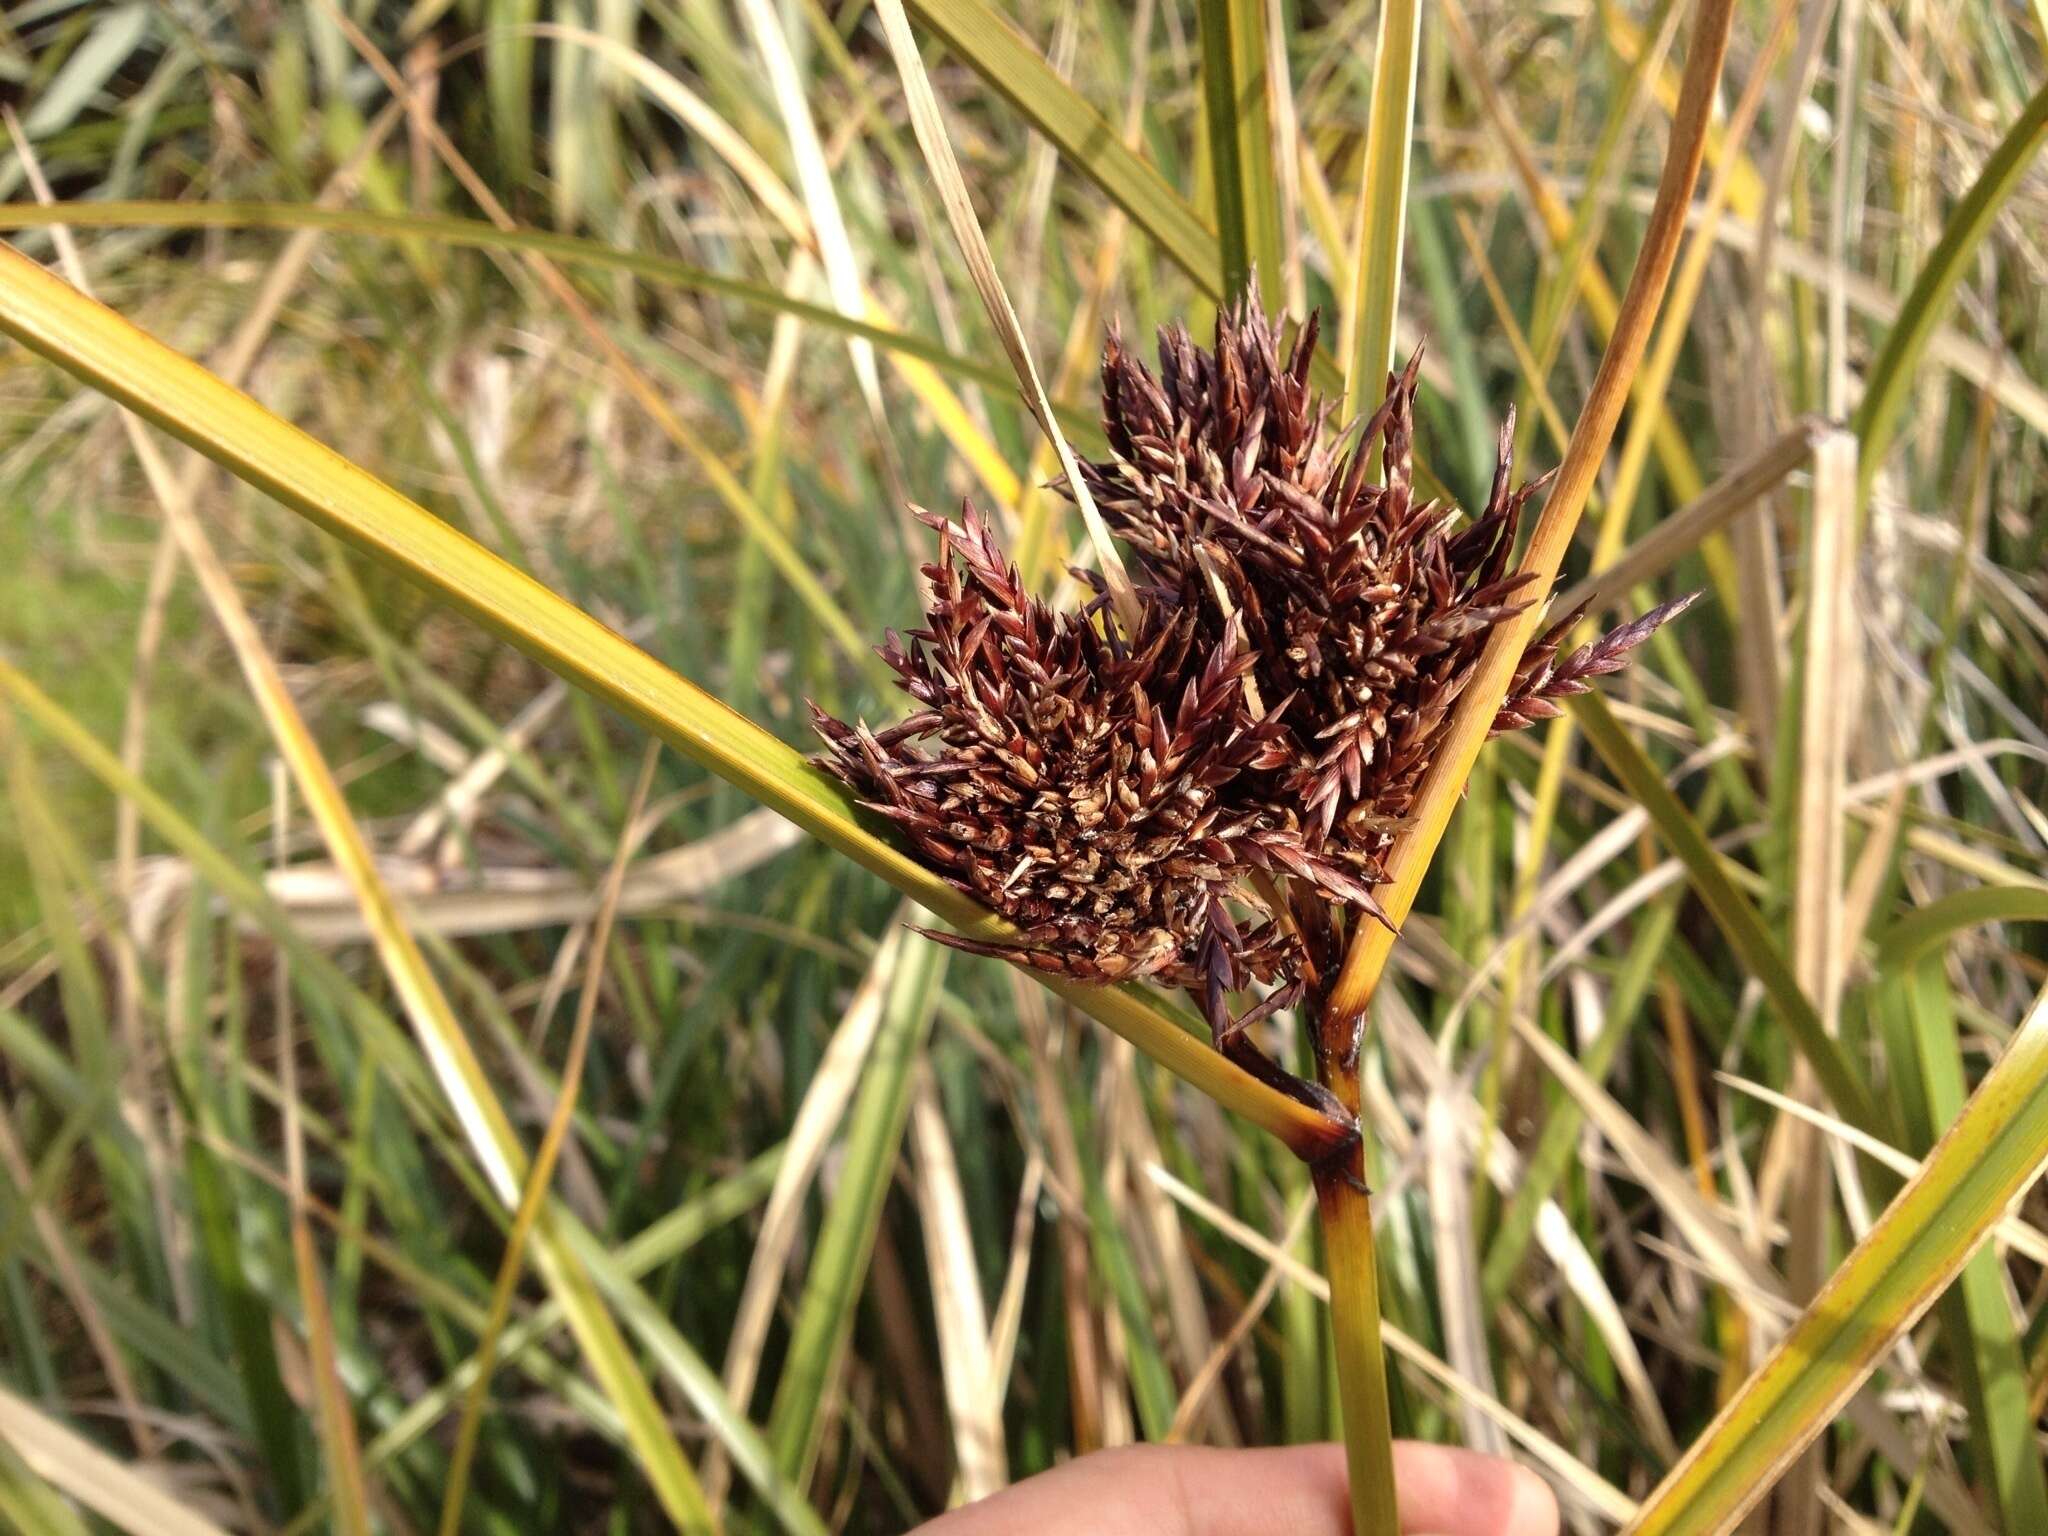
[[178, 395], [1997, 1146]]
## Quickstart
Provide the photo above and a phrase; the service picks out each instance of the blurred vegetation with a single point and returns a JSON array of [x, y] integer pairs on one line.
[[1001, 1236]]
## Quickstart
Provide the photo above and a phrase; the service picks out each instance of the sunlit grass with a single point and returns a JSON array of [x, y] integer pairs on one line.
[[981, 1185]]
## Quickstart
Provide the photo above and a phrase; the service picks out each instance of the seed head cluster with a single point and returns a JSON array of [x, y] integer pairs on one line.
[[1206, 799]]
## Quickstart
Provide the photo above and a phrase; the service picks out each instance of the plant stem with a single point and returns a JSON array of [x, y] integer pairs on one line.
[[1346, 1211], [1472, 718]]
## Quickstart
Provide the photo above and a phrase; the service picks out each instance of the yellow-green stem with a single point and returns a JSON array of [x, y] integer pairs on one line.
[[1346, 1211], [1472, 719]]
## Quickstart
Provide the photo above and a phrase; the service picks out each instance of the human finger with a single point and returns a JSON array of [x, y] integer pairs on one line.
[[1191, 1491]]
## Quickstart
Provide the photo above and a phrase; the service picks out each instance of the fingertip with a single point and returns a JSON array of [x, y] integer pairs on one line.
[[1445, 1491], [1532, 1506], [1304, 1490]]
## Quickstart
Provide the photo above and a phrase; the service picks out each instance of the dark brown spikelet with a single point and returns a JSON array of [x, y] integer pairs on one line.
[[1541, 679], [1080, 782], [1205, 799], [1365, 607]]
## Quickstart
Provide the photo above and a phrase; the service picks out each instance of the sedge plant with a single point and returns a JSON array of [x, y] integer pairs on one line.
[[1206, 778], [1227, 770], [1333, 656], [1202, 796]]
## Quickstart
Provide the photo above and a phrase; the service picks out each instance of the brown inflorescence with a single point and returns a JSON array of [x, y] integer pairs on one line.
[[1206, 801]]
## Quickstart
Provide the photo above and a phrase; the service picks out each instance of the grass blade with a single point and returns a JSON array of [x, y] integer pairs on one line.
[[333, 1419], [1567, 234], [974, 1394], [1012, 67], [1219, 100], [813, 1128], [930, 127], [1724, 149], [1738, 919], [1818, 779], [1019, 73], [39, 833], [760, 526], [671, 1353], [1919, 932], [814, 177], [662, 1242], [1361, 1371], [1876, 421], [1353, 1262], [1557, 1146], [874, 1142], [1408, 860], [508, 83], [88, 1474], [176, 394], [34, 1507], [613, 1273], [540, 1176], [441, 1038], [1382, 205], [1256, 51], [1451, 337], [571, 250], [1995, 1148], [1681, 532], [1977, 1319], [271, 1414], [116, 35], [1235, 56]]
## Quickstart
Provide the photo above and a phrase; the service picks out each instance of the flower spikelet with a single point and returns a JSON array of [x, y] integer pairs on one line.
[[1079, 780], [1365, 606], [1205, 797]]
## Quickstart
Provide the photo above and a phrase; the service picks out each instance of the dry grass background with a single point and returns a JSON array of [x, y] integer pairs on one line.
[[887, 1228]]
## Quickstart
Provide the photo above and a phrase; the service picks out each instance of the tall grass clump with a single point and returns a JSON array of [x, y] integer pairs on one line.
[[484, 1034]]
